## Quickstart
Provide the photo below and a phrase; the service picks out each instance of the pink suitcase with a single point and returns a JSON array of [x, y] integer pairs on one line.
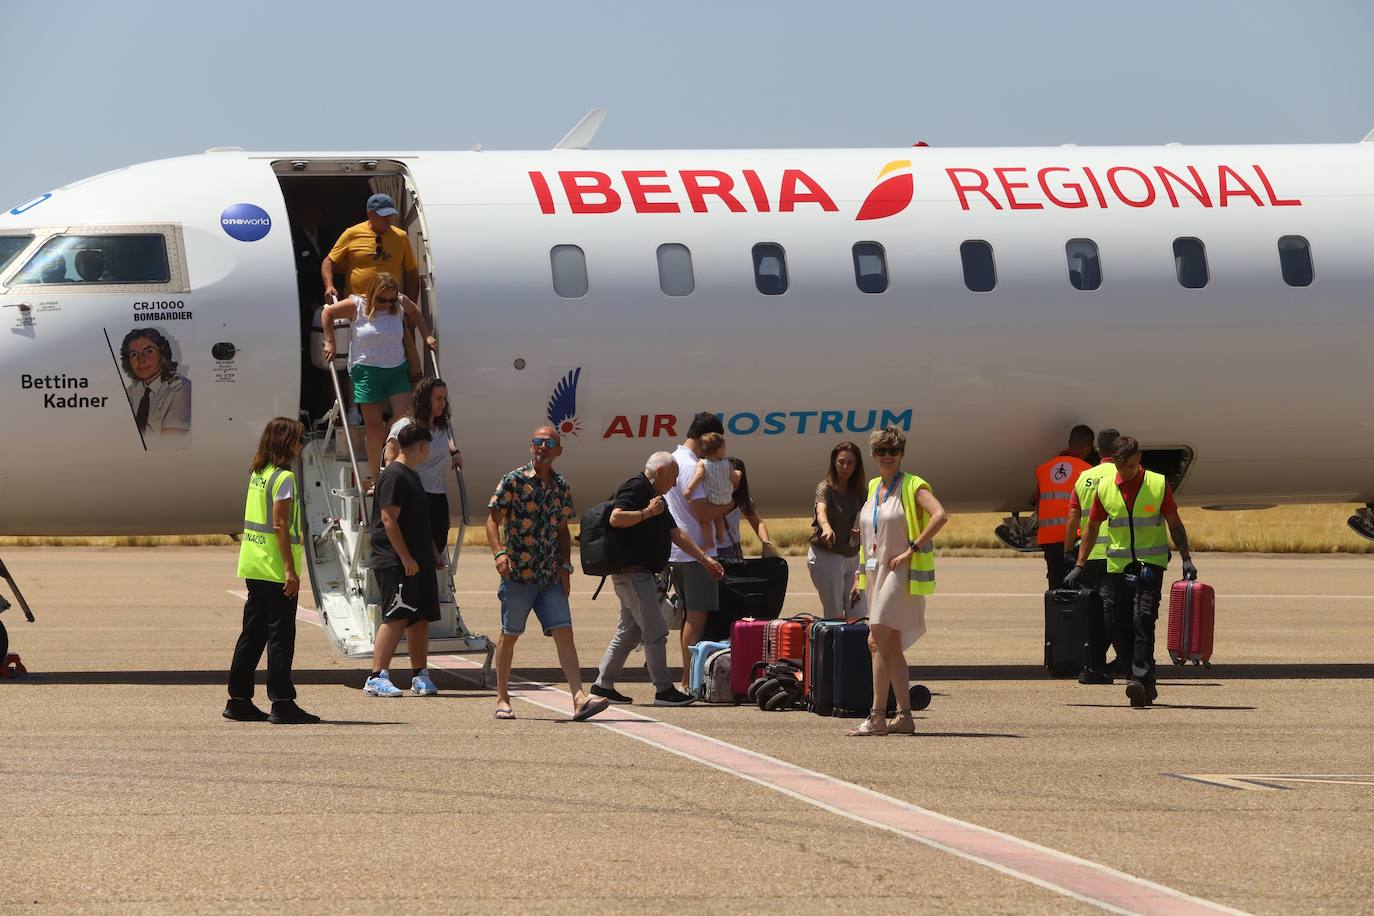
[[746, 650], [1192, 619]]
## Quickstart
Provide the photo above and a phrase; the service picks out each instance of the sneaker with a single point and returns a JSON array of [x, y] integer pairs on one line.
[[243, 711], [609, 693], [381, 686], [288, 713], [421, 685], [1151, 693], [673, 697], [1136, 693], [1089, 676]]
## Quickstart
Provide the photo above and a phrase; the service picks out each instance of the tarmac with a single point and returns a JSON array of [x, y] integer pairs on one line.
[[1250, 786]]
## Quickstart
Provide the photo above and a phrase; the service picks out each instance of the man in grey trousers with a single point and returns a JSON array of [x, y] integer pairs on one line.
[[642, 529]]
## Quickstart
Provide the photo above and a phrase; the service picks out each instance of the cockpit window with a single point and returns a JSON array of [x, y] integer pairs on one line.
[[11, 245], [98, 259]]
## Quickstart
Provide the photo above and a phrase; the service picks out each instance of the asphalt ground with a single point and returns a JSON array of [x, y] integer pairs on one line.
[[122, 788]]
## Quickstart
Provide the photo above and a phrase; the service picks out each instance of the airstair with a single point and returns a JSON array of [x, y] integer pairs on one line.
[[335, 514]]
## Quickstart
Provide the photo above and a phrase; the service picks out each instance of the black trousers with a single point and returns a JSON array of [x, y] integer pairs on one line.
[[269, 620], [438, 518], [1141, 608], [1055, 567]]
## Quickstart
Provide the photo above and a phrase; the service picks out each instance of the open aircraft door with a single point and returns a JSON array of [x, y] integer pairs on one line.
[[335, 511]]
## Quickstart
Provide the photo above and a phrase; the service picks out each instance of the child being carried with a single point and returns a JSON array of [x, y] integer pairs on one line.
[[720, 480]]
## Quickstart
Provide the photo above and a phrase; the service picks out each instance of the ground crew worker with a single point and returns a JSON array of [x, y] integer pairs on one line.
[[1135, 504], [1053, 487], [1101, 630], [270, 560]]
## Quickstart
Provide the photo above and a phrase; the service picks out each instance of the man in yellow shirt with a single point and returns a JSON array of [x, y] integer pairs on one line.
[[376, 244]]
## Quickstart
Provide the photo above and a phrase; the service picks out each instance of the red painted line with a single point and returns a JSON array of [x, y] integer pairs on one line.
[[1050, 869]]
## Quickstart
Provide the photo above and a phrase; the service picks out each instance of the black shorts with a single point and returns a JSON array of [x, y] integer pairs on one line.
[[413, 598]]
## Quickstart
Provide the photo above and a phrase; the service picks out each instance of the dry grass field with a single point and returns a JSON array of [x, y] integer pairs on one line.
[[1286, 529]]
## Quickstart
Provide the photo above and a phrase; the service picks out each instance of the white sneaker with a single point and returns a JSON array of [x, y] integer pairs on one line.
[[381, 686], [421, 685]]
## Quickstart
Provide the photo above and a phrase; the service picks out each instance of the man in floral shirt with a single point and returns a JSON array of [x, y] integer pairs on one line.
[[527, 528]]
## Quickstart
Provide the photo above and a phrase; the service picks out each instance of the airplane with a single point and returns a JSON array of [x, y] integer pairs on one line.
[[1211, 301]]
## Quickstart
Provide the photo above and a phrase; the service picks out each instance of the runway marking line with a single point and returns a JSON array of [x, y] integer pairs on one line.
[[1059, 872], [1267, 782]]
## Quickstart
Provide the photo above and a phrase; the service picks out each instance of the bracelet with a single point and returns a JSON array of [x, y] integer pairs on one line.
[[499, 554]]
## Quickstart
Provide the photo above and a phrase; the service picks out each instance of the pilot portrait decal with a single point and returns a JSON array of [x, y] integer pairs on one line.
[[562, 411], [157, 385]]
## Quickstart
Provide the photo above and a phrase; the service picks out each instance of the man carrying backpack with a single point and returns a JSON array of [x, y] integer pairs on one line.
[[640, 531]]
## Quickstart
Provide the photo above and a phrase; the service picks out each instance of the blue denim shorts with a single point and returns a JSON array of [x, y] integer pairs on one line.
[[547, 601]]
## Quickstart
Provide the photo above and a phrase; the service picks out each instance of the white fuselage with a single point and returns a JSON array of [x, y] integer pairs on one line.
[[1263, 382]]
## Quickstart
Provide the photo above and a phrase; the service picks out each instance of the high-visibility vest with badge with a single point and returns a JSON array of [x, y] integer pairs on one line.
[[1054, 481], [922, 573], [259, 555], [1086, 490], [1136, 532]]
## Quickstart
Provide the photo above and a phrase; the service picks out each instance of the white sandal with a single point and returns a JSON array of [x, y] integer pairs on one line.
[[875, 726]]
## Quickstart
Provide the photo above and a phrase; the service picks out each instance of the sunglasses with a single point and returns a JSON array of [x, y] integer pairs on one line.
[[379, 253], [387, 300], [539, 442], [886, 452]]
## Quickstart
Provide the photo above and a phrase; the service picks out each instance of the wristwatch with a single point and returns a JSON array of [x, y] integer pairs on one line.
[[568, 568], [912, 545]]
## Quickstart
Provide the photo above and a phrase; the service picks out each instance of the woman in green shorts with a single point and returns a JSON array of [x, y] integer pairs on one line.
[[376, 356]]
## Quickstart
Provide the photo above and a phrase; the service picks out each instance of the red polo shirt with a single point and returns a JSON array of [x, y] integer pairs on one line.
[[1130, 489]]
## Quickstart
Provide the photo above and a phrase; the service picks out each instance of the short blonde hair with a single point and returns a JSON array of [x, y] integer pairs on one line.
[[888, 437], [710, 442], [381, 282]]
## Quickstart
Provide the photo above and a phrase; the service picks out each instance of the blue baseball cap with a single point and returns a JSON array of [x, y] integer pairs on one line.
[[381, 204]]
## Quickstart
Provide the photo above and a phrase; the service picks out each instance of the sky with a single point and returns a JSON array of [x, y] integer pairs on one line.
[[96, 85]]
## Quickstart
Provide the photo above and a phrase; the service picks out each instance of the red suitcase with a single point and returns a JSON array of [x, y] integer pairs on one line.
[[785, 640], [1192, 618], [746, 651]]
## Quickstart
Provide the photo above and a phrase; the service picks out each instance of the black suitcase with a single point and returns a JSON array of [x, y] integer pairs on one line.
[[1067, 613], [756, 588], [818, 672]]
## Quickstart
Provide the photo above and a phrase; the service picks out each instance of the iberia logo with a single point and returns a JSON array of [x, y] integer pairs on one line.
[[563, 405], [892, 194]]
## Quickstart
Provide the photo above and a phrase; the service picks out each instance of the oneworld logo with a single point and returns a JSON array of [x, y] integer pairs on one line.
[[245, 222]]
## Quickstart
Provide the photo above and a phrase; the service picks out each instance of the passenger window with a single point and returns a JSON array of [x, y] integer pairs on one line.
[[1295, 258], [870, 267], [980, 274], [1085, 269], [100, 259], [1190, 263], [770, 269], [569, 271], [675, 276], [10, 246]]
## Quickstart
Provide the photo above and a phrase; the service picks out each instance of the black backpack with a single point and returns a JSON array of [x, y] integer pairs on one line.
[[595, 540]]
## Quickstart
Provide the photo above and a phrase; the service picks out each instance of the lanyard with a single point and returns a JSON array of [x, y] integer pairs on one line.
[[877, 503]]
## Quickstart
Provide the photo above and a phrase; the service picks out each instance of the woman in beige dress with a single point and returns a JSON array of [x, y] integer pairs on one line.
[[896, 527]]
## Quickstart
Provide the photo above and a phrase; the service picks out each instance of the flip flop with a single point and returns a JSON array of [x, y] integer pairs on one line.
[[590, 708], [502, 713]]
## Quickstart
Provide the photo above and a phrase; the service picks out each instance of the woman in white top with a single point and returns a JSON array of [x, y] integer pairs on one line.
[[429, 408], [376, 355], [888, 544]]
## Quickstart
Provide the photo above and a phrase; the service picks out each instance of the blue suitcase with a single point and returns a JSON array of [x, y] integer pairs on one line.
[[700, 652], [853, 673]]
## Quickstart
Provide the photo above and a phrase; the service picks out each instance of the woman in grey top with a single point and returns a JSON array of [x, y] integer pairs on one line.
[[833, 554]]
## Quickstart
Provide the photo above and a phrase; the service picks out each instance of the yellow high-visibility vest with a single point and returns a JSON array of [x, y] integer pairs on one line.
[[1086, 489], [259, 555], [1144, 522], [922, 575]]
